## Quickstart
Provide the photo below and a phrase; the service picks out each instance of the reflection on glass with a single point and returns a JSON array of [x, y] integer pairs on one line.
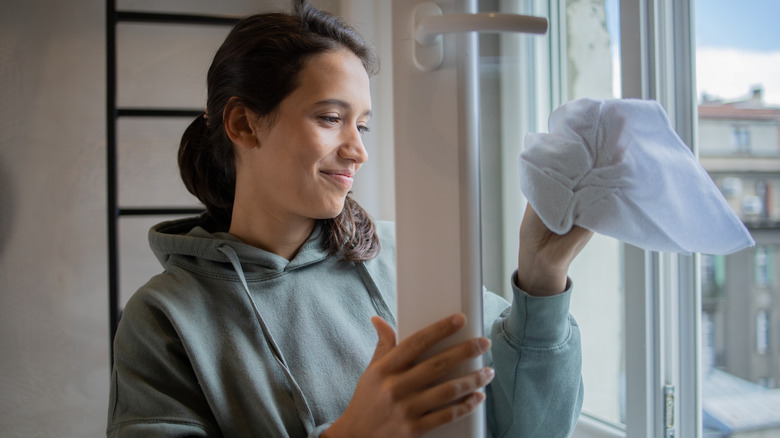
[[738, 66]]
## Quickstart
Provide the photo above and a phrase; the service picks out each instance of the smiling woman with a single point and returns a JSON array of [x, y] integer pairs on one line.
[[285, 273]]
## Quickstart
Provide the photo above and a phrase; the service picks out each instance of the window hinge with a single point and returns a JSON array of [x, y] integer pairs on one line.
[[669, 411]]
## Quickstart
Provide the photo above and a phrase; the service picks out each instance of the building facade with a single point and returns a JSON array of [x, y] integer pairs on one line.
[[739, 145]]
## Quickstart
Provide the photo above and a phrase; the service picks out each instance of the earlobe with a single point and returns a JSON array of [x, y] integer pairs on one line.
[[239, 122]]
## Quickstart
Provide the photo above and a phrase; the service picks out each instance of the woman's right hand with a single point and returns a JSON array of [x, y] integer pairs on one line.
[[398, 397]]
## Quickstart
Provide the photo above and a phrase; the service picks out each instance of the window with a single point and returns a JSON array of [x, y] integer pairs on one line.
[[736, 81], [650, 321], [592, 62], [740, 139], [762, 332], [763, 267], [634, 343]]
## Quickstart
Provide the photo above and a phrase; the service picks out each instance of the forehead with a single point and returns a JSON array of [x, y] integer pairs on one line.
[[334, 75]]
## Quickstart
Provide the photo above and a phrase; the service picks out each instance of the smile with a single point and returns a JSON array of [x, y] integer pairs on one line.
[[343, 178]]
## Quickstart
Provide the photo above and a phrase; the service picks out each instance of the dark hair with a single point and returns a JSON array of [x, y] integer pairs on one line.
[[259, 63]]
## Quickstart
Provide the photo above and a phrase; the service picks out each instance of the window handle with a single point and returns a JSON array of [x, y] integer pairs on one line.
[[429, 24]]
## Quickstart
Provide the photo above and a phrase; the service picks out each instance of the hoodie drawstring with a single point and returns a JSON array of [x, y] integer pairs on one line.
[[304, 412]]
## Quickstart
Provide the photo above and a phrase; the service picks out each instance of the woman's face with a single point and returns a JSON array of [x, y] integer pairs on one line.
[[304, 163]]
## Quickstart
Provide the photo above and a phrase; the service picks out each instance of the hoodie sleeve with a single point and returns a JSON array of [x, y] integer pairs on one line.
[[154, 390], [536, 352]]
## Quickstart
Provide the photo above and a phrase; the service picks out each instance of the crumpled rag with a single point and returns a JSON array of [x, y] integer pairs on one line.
[[617, 167]]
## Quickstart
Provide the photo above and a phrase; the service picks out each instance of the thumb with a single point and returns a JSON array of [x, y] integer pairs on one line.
[[386, 337]]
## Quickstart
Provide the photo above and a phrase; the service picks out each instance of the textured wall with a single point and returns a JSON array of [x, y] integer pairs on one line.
[[54, 347], [53, 320]]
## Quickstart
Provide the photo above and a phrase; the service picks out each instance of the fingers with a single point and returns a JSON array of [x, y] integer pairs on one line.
[[401, 394], [434, 368], [415, 345], [544, 257], [457, 397], [456, 389], [451, 413], [386, 337]]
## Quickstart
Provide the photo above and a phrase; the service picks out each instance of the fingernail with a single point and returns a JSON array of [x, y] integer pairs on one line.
[[458, 320], [489, 374], [484, 344]]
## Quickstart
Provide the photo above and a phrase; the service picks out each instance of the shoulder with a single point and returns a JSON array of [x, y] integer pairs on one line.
[[154, 299], [386, 232], [146, 321], [382, 267], [175, 295]]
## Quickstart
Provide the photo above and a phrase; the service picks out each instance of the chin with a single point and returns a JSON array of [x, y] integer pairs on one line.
[[330, 212]]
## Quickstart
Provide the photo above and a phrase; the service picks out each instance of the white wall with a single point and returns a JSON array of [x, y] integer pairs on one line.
[[53, 304]]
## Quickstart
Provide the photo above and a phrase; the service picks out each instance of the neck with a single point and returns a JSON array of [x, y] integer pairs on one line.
[[279, 236]]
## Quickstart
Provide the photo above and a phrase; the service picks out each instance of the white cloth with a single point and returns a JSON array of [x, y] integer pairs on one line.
[[617, 167]]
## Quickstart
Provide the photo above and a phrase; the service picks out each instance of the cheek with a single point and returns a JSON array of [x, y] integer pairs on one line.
[[300, 149], [311, 150]]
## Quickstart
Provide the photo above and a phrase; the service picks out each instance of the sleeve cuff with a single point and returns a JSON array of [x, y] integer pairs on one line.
[[539, 322]]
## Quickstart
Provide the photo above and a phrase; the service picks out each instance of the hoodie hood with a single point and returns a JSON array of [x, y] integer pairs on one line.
[[194, 240]]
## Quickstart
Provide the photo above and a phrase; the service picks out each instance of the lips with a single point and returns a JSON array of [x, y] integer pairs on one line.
[[342, 177]]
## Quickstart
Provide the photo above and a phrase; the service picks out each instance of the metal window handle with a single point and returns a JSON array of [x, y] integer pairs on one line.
[[429, 24]]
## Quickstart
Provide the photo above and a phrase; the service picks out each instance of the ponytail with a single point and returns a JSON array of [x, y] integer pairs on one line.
[[207, 168]]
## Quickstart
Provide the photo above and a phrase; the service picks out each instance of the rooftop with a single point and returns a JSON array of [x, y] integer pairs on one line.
[[731, 404], [750, 108]]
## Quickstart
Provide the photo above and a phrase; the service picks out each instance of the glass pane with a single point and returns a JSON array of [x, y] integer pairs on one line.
[[593, 65], [738, 77], [529, 78]]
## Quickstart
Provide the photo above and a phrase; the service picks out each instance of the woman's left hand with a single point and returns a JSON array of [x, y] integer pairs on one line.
[[544, 256]]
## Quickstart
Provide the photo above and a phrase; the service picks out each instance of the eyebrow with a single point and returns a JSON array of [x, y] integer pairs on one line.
[[343, 104]]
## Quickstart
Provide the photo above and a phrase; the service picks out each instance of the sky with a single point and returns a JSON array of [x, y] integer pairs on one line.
[[738, 47]]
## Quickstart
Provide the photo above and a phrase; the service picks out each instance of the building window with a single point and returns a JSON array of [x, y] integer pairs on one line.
[[713, 275], [762, 332], [752, 205], [731, 186], [740, 139], [763, 266]]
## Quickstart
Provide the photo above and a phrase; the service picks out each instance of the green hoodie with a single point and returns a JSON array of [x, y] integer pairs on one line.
[[234, 341]]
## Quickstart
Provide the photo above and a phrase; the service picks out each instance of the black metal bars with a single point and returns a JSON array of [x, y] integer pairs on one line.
[[113, 113]]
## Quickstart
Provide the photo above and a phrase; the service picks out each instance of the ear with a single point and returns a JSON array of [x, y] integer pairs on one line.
[[240, 123]]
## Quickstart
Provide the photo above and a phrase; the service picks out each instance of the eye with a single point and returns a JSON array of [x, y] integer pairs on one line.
[[331, 120], [362, 129]]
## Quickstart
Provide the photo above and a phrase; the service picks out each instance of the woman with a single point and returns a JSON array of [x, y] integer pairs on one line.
[[274, 314]]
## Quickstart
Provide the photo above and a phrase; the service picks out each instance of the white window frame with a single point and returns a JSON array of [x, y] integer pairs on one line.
[[662, 291]]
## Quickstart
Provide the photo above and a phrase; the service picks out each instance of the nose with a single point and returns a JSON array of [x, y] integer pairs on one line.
[[352, 147]]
